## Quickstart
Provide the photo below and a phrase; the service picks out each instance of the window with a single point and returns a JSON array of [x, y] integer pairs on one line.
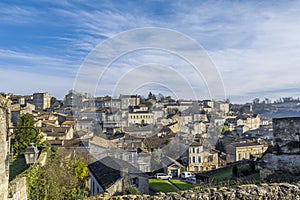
[[210, 158], [196, 168], [194, 159], [199, 159], [130, 157], [134, 182]]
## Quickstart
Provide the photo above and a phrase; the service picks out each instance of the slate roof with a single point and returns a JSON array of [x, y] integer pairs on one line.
[[168, 161], [108, 170], [246, 144]]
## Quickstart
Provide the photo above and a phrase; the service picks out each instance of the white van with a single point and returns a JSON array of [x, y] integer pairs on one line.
[[186, 175], [162, 176]]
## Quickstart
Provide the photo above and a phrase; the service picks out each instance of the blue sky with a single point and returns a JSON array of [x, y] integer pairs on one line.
[[255, 45]]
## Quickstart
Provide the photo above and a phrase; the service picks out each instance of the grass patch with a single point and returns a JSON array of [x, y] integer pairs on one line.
[[223, 175], [161, 185], [16, 166], [181, 185], [227, 174]]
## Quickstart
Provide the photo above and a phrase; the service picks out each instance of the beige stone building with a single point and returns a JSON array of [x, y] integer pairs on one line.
[[201, 159], [140, 115], [245, 150], [57, 133], [41, 100], [252, 122]]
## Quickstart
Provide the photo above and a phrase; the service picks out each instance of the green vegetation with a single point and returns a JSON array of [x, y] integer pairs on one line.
[[223, 175], [161, 185], [225, 129], [60, 179], [247, 170], [181, 185], [53, 100], [17, 165], [132, 190], [25, 134]]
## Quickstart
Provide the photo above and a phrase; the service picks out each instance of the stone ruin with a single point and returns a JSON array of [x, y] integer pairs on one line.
[[281, 163]]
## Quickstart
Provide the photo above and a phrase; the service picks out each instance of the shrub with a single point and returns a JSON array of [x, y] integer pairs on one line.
[[132, 190], [252, 166], [235, 171]]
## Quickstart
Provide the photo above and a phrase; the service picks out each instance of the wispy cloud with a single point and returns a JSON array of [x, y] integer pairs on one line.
[[20, 61], [254, 44], [12, 14]]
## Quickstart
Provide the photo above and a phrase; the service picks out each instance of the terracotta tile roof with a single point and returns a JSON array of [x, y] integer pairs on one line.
[[68, 123]]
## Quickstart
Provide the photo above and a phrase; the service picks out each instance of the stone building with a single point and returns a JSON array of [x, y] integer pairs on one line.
[[73, 99], [114, 175], [201, 158], [129, 100], [41, 100], [244, 150]]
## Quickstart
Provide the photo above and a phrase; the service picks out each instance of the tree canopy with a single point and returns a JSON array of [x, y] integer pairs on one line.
[[25, 134]]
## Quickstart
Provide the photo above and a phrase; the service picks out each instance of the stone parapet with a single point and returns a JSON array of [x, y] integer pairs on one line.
[[243, 192]]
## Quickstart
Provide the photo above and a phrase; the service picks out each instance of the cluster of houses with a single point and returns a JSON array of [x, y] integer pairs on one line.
[[130, 136]]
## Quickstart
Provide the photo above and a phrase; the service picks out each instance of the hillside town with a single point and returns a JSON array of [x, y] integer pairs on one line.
[[141, 136]]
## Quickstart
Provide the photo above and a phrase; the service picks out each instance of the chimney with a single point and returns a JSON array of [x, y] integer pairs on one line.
[[123, 171]]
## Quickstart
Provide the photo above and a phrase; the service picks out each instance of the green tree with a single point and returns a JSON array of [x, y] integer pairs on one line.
[[235, 171], [25, 134], [150, 95], [252, 166], [60, 179], [81, 170], [148, 104], [225, 129], [53, 100]]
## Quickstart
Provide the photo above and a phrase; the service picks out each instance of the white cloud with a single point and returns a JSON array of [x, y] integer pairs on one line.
[[35, 62], [17, 82], [255, 45]]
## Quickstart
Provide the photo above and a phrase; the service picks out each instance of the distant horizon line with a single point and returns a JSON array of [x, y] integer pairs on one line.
[[145, 96]]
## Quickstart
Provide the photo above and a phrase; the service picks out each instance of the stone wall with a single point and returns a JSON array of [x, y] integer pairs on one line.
[[3, 148], [282, 161], [18, 189], [286, 130], [253, 192]]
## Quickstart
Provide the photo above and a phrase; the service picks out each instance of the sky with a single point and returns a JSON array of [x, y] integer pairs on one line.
[[254, 45]]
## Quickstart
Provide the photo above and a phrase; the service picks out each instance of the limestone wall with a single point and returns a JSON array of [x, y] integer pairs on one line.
[[18, 189], [253, 192], [282, 162], [286, 130], [3, 149]]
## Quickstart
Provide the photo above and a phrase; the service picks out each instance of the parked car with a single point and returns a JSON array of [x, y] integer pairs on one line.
[[162, 176], [191, 180], [186, 175]]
